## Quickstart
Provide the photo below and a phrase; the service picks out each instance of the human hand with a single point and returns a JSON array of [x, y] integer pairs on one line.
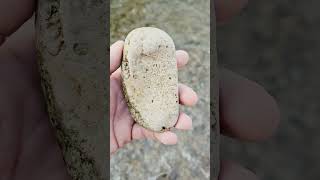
[[247, 111], [123, 128]]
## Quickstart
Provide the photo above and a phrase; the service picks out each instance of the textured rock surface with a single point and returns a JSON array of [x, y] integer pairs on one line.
[[72, 57], [188, 24], [150, 78]]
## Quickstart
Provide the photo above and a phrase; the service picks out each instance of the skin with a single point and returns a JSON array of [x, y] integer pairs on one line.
[[28, 147]]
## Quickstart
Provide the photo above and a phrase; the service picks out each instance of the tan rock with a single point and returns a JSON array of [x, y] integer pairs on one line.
[[150, 78]]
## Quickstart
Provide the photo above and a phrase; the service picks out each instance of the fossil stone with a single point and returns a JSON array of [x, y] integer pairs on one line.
[[150, 78]]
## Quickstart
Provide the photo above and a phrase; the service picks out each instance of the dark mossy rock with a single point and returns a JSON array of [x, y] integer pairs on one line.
[[71, 49]]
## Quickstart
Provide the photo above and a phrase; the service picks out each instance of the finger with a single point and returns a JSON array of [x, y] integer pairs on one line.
[[115, 55], [116, 74], [230, 171], [21, 43], [182, 58], [187, 96], [247, 111], [113, 100], [225, 10], [168, 137], [138, 132], [184, 122], [13, 14]]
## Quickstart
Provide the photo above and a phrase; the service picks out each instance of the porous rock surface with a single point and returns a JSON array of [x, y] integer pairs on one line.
[[150, 78]]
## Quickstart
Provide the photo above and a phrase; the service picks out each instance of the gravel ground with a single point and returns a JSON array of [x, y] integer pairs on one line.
[[276, 43], [188, 24]]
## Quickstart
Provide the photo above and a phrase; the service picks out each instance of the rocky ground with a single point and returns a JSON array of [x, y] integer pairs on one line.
[[276, 43], [188, 23]]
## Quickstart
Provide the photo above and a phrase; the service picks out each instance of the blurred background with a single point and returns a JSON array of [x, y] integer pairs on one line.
[[188, 23], [277, 44], [274, 43]]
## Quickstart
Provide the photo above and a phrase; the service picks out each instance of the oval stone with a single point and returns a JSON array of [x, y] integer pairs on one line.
[[150, 78]]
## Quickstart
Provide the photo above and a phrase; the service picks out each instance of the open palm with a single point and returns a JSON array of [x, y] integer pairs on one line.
[[123, 129]]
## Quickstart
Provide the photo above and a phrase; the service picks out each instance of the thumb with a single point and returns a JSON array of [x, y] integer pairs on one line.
[[115, 55]]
